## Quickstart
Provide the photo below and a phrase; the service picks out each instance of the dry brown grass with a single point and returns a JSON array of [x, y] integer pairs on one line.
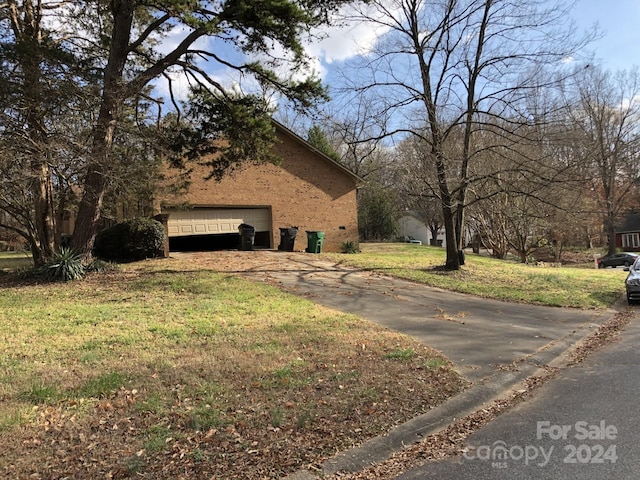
[[171, 369]]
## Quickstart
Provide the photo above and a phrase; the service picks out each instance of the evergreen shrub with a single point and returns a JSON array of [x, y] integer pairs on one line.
[[130, 241]]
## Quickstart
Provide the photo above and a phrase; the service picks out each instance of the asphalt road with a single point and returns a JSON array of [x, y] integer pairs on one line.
[[582, 425]]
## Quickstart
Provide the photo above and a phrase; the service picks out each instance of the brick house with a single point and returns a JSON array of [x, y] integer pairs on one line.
[[307, 189], [628, 232]]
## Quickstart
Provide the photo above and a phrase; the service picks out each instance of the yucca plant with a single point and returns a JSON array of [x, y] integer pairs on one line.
[[63, 266], [349, 247]]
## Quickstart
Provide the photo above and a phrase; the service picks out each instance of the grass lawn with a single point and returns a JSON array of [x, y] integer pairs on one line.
[[170, 369], [161, 371], [10, 261], [487, 277]]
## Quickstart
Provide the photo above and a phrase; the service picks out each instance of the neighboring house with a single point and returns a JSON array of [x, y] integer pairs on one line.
[[628, 233], [410, 224], [307, 189]]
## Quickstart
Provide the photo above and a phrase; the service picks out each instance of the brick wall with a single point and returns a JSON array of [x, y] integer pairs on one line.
[[305, 190]]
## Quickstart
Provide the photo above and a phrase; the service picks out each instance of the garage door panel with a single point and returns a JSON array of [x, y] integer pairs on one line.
[[216, 221]]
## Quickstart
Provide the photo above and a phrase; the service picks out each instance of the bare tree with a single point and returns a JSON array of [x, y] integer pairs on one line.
[[603, 110], [415, 181], [509, 208], [488, 222], [354, 139], [453, 67], [352, 134]]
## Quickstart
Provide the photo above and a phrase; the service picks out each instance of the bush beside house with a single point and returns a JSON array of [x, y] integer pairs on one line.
[[130, 241]]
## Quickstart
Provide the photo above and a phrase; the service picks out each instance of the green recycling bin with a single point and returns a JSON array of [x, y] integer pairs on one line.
[[314, 241]]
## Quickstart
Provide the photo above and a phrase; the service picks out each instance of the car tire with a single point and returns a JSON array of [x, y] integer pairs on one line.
[[627, 264], [601, 265]]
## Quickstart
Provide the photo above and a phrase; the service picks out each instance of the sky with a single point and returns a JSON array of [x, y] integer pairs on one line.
[[619, 20], [617, 49]]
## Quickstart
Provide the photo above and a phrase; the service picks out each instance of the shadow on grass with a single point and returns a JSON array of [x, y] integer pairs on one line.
[[607, 297], [14, 262], [17, 271]]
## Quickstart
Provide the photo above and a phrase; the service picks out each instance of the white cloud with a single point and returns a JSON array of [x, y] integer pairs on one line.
[[179, 85], [351, 36], [346, 42]]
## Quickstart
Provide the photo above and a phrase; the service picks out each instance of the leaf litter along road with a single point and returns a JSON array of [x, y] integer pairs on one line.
[[170, 369], [450, 441]]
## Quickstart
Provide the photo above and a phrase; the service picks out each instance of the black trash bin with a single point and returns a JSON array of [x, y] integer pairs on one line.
[[247, 236], [287, 238], [314, 241]]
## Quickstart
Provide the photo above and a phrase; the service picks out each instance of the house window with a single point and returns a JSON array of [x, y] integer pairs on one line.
[[630, 240]]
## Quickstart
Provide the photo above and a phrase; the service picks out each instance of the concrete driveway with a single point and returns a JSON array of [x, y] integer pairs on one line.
[[479, 336]]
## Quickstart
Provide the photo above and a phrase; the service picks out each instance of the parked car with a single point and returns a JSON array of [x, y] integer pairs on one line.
[[410, 239], [632, 283], [621, 259]]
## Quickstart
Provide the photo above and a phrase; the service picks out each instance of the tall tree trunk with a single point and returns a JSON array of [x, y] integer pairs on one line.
[[610, 230], [437, 147], [459, 218], [448, 215], [89, 210], [470, 113], [96, 181], [453, 257], [27, 30], [434, 229], [43, 210]]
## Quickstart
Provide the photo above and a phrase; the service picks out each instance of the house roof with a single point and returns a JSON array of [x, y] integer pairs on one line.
[[281, 128], [629, 223]]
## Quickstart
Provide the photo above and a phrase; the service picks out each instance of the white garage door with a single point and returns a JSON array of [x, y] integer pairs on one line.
[[210, 221]]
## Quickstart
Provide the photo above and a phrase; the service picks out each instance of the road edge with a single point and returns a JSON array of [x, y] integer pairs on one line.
[[498, 387]]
